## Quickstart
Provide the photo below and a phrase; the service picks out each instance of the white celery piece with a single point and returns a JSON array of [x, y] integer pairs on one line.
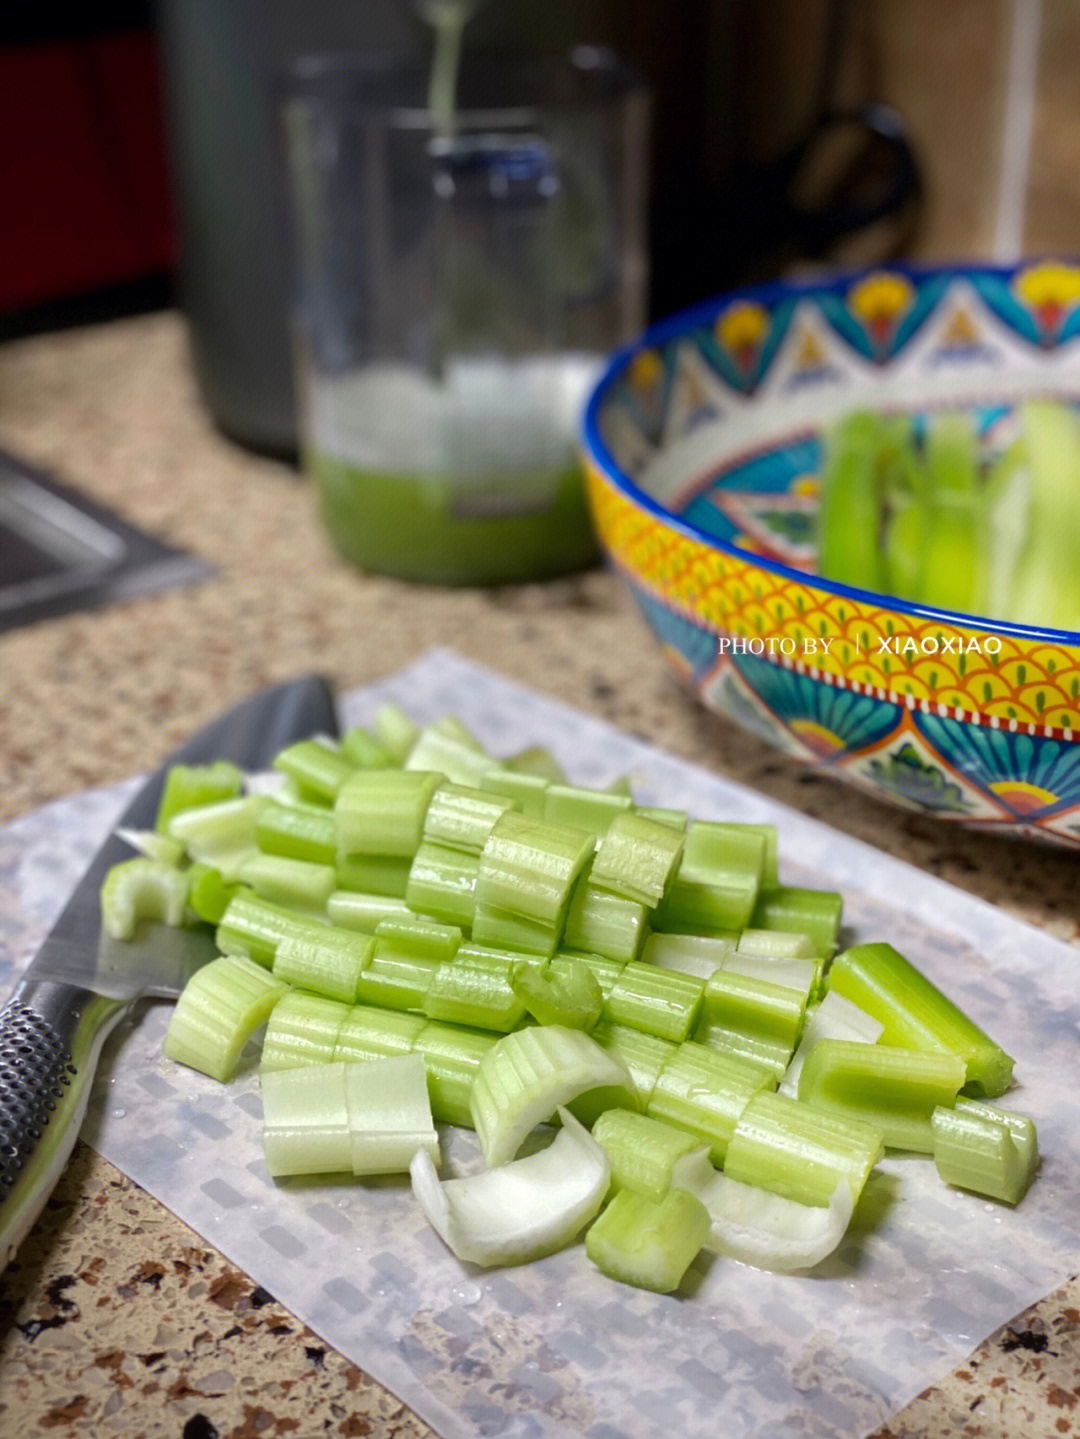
[[306, 1120], [153, 844], [389, 1114], [791, 973], [519, 1211], [835, 1018], [757, 1227], [527, 1074], [221, 834], [776, 944], [142, 888], [699, 955]]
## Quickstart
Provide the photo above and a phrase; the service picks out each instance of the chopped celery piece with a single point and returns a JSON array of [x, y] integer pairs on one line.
[[463, 818], [606, 971], [207, 893], [644, 1056], [527, 1075], [452, 1055], [502, 929], [395, 980], [705, 1092], [770, 865], [766, 1230], [318, 768], [475, 989], [192, 786], [389, 1112], [153, 844], [422, 938], [528, 868], [327, 962], [538, 761], [676, 818], [349, 909], [381, 812], [916, 1014], [717, 882], [218, 1011], [363, 750], [757, 1007], [569, 994], [834, 1018], [603, 923], [803, 975], [221, 834], [776, 944], [636, 858], [791, 909], [139, 889], [302, 1029], [980, 1147], [297, 831], [293, 883], [801, 1151], [374, 874], [770, 1054], [641, 1151], [306, 1121], [521, 1210], [590, 809], [461, 760], [442, 883], [255, 926], [695, 954], [894, 1090], [646, 1242], [395, 731], [663, 1002], [368, 1032], [526, 790]]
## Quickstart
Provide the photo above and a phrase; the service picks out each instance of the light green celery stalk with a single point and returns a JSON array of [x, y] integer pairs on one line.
[[1045, 588], [648, 1243], [705, 1092], [850, 512], [800, 1151], [192, 786], [642, 1151], [569, 994], [915, 1014], [895, 1091], [981, 1147], [218, 1011], [317, 767]]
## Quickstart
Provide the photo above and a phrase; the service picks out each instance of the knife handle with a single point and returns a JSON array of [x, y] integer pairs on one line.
[[50, 1039]]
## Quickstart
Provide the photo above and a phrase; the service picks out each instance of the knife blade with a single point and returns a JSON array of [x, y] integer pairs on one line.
[[79, 984]]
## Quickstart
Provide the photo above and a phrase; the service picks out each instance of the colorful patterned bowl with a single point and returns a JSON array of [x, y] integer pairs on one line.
[[702, 449]]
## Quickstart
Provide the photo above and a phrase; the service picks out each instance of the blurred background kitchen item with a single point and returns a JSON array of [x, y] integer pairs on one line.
[[984, 90], [464, 268]]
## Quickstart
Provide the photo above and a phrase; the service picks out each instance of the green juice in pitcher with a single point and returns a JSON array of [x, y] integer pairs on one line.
[[470, 480]]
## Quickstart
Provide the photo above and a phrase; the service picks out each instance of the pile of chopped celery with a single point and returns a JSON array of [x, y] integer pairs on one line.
[[926, 511], [419, 935]]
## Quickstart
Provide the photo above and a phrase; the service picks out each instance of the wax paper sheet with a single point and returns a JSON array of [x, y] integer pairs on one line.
[[555, 1348]]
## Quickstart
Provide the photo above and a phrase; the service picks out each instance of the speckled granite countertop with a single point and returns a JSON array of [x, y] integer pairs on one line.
[[116, 1318]]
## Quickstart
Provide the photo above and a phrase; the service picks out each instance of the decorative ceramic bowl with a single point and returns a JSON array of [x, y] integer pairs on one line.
[[703, 447]]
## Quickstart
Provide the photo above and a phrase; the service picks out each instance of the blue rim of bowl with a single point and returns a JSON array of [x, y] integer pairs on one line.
[[769, 293]]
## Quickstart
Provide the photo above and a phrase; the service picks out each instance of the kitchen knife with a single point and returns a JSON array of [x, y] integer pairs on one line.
[[80, 984]]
